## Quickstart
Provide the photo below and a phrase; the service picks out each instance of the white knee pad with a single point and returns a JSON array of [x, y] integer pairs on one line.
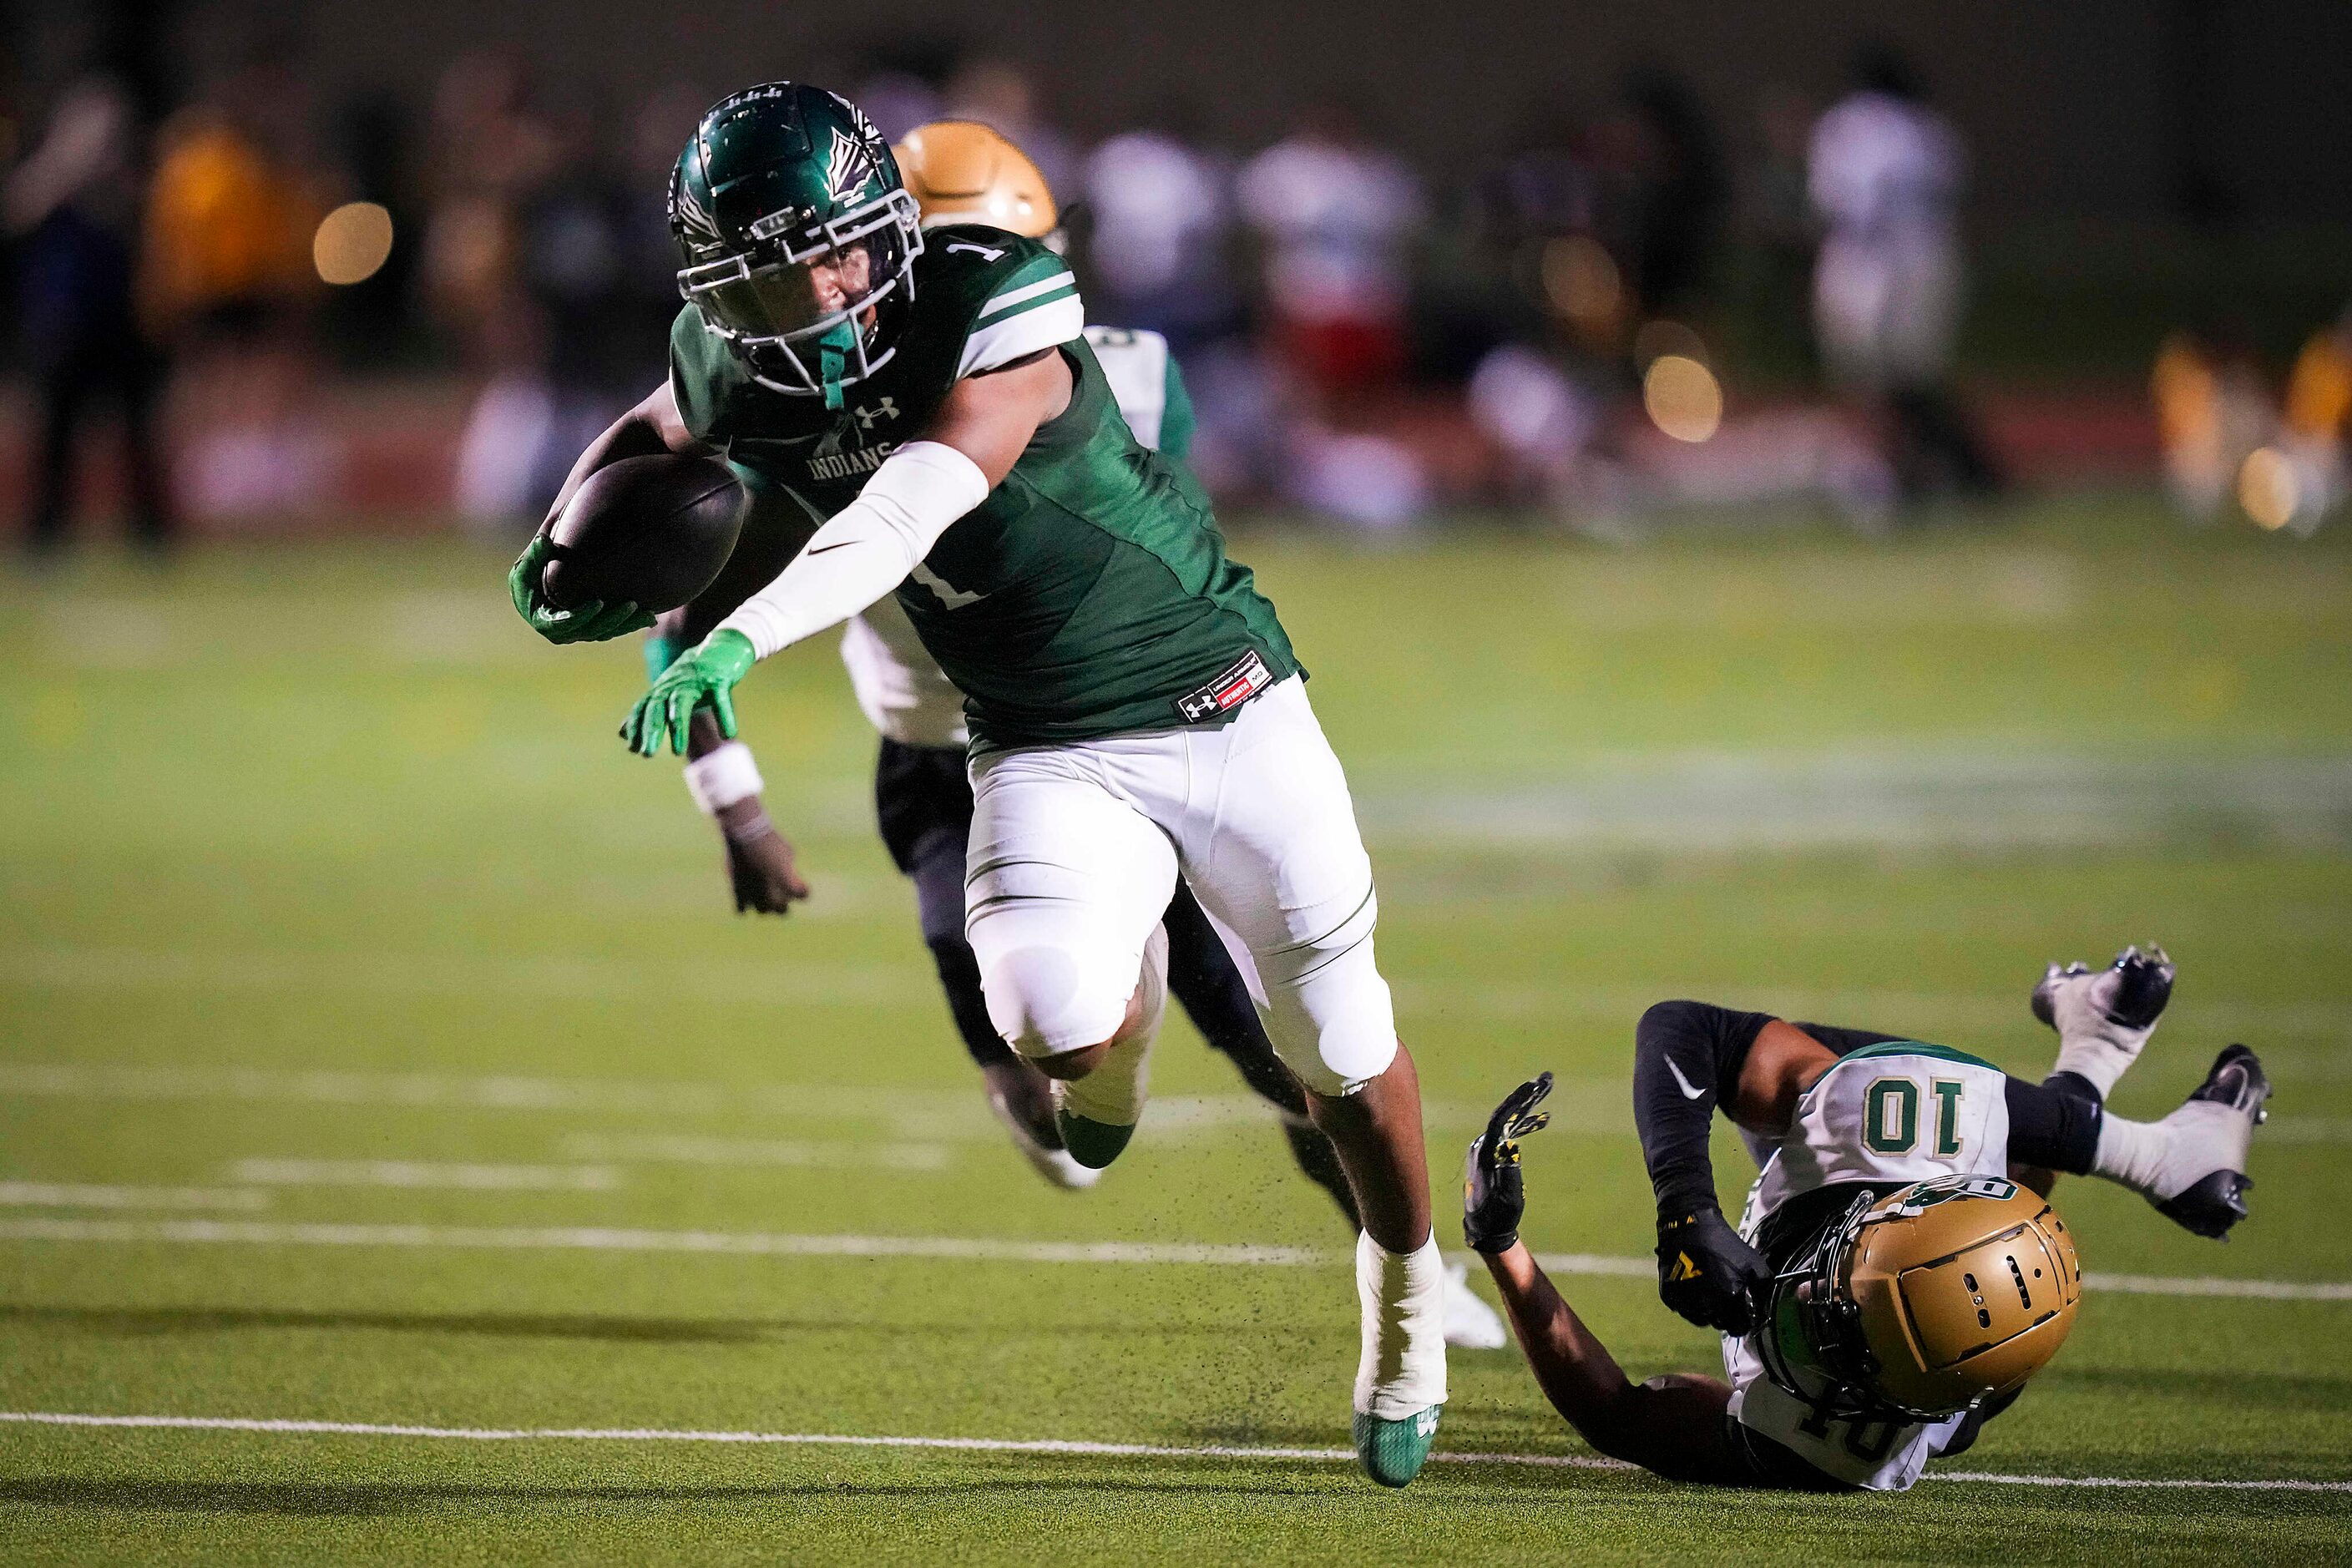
[[1048, 999], [1328, 1011]]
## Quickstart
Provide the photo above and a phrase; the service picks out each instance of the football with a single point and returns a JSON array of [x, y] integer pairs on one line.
[[653, 530]]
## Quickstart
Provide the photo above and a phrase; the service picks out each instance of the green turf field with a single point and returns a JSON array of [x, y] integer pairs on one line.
[[378, 1046]]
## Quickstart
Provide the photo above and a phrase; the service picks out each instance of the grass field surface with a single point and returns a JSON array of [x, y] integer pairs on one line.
[[391, 1100]]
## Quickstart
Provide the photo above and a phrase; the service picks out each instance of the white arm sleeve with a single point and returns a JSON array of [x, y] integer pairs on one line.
[[867, 549]]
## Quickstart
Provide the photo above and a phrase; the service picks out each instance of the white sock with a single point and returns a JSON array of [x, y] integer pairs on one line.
[[1403, 1294], [2131, 1152], [2163, 1159], [2090, 1044], [2100, 1055], [1114, 1092]]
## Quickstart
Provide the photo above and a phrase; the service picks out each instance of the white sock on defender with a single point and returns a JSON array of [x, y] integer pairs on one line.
[[1403, 1294], [2161, 1159], [1114, 1092], [2101, 1055]]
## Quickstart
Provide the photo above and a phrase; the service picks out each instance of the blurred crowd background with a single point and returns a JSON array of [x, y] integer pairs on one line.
[[292, 267]]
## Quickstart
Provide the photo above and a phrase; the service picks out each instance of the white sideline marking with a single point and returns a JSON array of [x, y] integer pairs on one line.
[[914, 1114], [1907, 799], [83, 1195], [1007, 1446], [2208, 1285], [604, 1239], [980, 1250], [694, 1149], [425, 1173]]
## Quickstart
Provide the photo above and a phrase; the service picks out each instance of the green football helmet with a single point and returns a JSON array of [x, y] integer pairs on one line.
[[798, 237]]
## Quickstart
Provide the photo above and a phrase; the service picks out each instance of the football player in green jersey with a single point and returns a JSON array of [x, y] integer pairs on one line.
[[1137, 714], [964, 173]]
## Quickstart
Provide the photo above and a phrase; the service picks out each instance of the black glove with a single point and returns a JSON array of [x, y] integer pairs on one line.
[[1708, 1274], [1492, 1199]]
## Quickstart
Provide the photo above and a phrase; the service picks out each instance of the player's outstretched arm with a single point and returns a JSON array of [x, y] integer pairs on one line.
[[1688, 1057], [651, 427], [867, 549], [1672, 1424]]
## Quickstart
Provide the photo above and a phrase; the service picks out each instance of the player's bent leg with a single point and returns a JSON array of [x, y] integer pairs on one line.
[[1203, 976], [2192, 1164], [922, 806], [1277, 859], [1065, 883], [1101, 1106]]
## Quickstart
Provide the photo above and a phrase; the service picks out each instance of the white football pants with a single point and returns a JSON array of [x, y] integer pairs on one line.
[[1076, 849]]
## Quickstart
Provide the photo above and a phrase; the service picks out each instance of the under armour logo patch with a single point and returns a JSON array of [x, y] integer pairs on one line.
[[886, 409]]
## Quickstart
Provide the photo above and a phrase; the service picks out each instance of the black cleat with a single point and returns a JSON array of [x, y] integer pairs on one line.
[[2216, 1201], [2133, 999]]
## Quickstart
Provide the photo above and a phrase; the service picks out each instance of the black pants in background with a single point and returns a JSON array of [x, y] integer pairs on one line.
[[73, 389]]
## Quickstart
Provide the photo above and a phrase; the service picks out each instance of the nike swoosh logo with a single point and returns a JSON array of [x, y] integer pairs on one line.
[[1690, 1089], [837, 545]]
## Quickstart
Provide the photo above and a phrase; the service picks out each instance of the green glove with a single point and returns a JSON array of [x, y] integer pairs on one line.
[[704, 675], [594, 621]]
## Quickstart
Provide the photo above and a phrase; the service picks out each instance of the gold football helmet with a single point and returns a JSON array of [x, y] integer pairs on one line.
[[962, 172], [1925, 1302]]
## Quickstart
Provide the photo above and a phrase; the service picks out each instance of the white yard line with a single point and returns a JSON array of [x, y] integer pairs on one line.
[[90, 1195], [695, 1149], [287, 1427], [425, 1174], [1922, 798], [770, 1243]]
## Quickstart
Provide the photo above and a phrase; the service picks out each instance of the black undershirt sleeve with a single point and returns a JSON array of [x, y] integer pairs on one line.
[[2054, 1123], [1684, 1055]]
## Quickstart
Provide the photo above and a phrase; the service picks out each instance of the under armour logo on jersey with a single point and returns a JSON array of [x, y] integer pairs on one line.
[[886, 409]]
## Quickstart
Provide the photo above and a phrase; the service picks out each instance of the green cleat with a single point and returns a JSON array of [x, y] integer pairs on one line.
[[1092, 1144], [1392, 1452]]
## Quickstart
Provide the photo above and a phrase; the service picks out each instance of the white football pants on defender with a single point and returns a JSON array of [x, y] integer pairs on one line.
[[1075, 853]]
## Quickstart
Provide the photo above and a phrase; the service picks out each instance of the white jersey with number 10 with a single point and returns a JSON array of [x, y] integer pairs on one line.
[[1888, 1115]]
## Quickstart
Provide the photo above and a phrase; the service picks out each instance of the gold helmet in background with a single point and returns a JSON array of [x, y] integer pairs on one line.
[[1925, 1302], [962, 172]]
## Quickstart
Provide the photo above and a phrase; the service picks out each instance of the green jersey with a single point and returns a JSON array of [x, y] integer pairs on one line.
[[1090, 594]]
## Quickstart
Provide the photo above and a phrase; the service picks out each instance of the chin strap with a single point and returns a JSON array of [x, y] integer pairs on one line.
[[833, 358]]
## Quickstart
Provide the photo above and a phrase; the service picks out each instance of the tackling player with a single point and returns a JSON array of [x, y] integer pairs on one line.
[[930, 403], [1898, 1274], [964, 173]]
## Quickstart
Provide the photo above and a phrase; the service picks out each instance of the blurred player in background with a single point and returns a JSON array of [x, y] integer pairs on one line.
[[1337, 212], [929, 402], [1885, 175], [2315, 424], [1896, 1277], [72, 210]]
